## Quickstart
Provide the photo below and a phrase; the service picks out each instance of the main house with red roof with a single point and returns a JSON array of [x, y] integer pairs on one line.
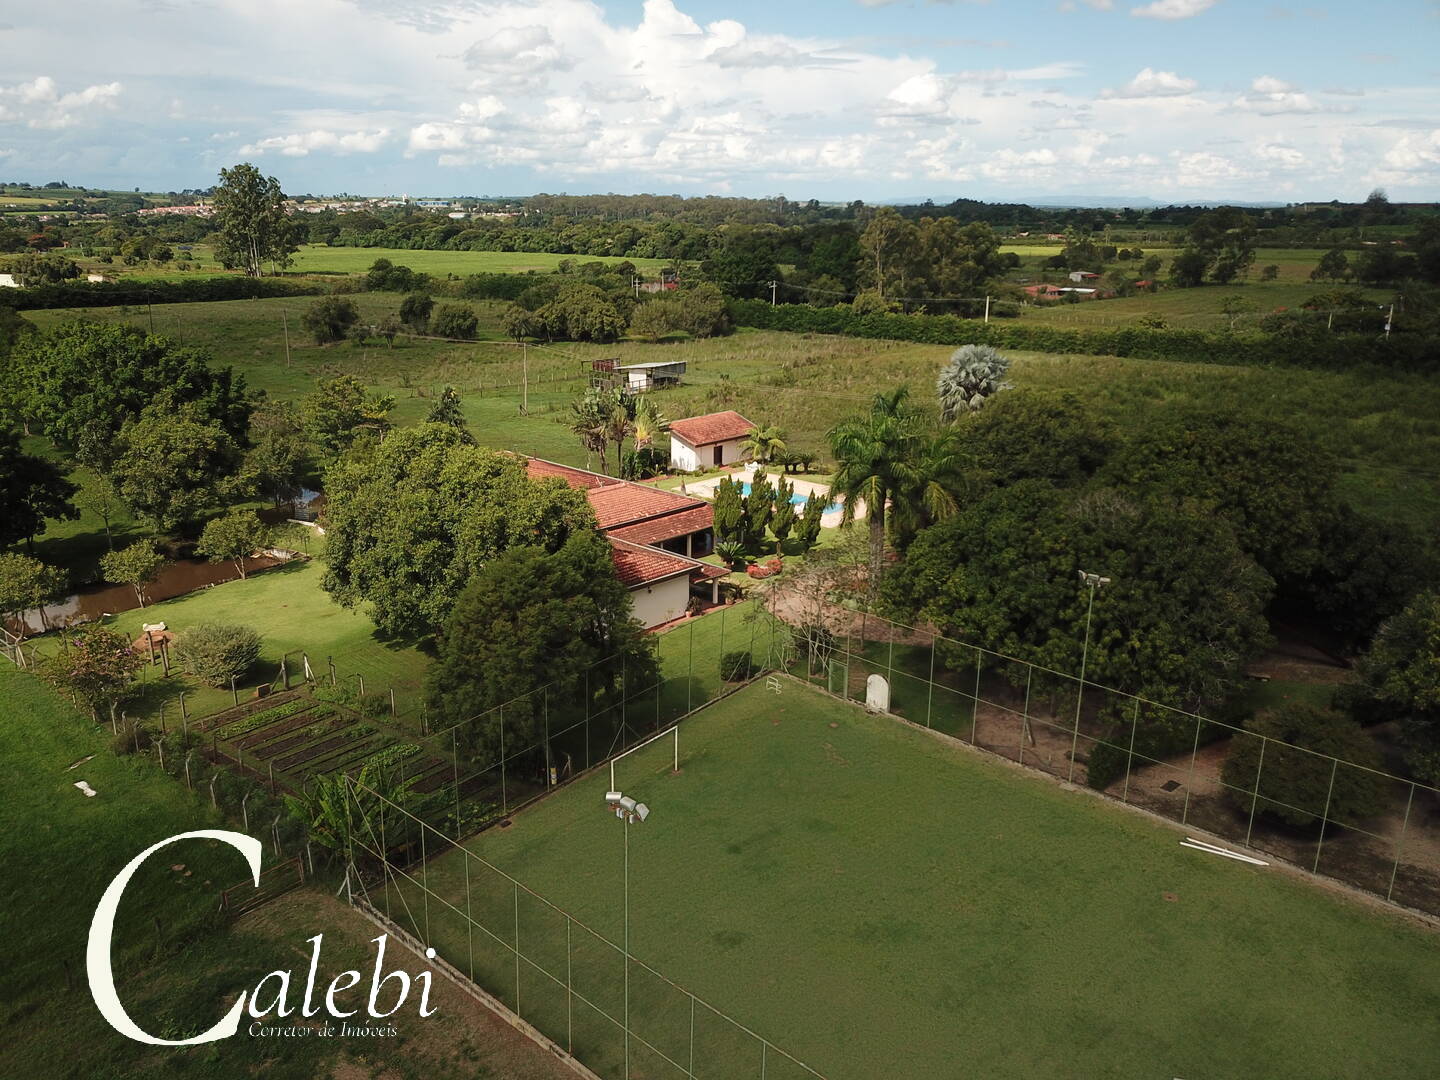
[[655, 537], [710, 441]]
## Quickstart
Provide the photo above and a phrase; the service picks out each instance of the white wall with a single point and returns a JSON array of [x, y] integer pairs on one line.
[[8, 281], [685, 456], [661, 602], [682, 454]]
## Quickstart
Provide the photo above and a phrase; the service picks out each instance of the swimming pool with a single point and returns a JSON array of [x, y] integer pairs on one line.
[[797, 499]]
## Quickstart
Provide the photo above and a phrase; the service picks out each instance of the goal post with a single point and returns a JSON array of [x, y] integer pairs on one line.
[[673, 730]]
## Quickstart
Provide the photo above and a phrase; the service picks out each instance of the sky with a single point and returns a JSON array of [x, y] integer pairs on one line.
[[1175, 100]]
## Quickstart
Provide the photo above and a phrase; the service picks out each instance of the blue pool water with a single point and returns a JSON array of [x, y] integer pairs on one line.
[[796, 498]]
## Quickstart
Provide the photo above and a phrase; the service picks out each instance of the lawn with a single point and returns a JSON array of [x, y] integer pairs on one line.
[[176, 966], [292, 614], [878, 902]]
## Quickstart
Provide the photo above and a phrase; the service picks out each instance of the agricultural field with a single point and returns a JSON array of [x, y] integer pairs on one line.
[[1040, 932], [320, 259], [1382, 425], [174, 963]]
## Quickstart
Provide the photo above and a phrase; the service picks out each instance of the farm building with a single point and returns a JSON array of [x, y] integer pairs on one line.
[[609, 374], [1082, 276], [703, 442], [655, 537]]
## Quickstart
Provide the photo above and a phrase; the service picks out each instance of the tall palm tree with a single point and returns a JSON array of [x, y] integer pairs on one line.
[[650, 422], [763, 443], [588, 416], [619, 426], [876, 454], [941, 478], [974, 374]]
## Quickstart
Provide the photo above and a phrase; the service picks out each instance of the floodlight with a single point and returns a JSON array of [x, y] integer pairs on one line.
[[627, 804], [642, 811], [612, 797]]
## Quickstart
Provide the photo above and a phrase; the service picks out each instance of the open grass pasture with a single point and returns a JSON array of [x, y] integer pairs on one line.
[[320, 259], [1384, 426], [177, 968], [879, 902]]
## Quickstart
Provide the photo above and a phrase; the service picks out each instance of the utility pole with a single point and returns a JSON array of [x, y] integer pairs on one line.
[[524, 378], [773, 286], [285, 324], [635, 284], [1389, 318], [987, 309]]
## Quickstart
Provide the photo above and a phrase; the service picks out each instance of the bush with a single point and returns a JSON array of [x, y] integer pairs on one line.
[[1296, 780], [737, 666], [330, 318], [415, 311], [131, 740], [455, 321], [215, 653]]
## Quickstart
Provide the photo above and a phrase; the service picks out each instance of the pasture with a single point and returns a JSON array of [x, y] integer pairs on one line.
[[1038, 932], [1382, 425]]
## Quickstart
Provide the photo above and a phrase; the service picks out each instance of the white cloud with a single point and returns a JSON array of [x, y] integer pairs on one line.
[[1173, 9], [299, 144], [39, 103], [1152, 83], [1270, 96]]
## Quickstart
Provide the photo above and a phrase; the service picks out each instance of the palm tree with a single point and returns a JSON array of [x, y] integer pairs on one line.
[[650, 422], [619, 426], [763, 443], [934, 491], [876, 454], [588, 416], [974, 374]]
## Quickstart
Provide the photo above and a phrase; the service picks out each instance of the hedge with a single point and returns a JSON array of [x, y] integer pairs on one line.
[[68, 294], [1187, 346]]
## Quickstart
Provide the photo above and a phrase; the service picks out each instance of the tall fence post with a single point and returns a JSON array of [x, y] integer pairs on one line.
[[1130, 756], [1325, 816], [1255, 798], [1194, 754], [1400, 841], [930, 685], [975, 704]]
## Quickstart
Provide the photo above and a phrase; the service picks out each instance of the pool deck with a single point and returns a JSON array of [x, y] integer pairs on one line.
[[705, 489]]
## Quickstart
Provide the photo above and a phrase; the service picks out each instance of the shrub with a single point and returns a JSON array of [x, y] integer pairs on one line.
[[737, 666], [455, 321], [330, 318], [130, 291], [415, 311], [1299, 782], [131, 740], [215, 652]]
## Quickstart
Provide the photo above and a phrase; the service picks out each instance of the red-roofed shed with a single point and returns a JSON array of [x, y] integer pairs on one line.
[[704, 442]]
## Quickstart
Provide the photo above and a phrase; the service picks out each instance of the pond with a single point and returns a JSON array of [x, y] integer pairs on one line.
[[176, 579]]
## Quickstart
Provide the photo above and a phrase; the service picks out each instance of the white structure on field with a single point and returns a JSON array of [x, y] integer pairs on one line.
[[710, 441]]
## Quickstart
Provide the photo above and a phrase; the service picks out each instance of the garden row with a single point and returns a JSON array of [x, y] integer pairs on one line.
[[305, 735]]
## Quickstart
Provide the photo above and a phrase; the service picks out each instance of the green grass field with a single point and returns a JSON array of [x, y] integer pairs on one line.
[[176, 967], [320, 259], [879, 903]]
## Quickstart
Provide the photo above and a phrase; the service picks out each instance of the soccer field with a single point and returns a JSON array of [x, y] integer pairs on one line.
[[879, 903]]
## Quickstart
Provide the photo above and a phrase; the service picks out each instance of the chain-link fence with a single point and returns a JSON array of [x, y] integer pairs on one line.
[[1360, 825], [590, 996]]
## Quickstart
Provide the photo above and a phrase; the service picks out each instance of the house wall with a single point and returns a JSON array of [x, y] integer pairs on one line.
[[8, 281], [661, 602], [685, 456]]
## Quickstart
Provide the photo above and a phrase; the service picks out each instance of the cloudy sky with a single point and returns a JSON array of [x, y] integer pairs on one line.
[[841, 99]]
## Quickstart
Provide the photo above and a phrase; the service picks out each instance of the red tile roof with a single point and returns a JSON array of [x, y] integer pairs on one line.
[[667, 527], [712, 428], [576, 478], [639, 565], [626, 503]]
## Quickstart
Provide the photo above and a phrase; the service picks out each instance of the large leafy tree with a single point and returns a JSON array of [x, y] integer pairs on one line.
[[1027, 434], [233, 537], [892, 256], [340, 410], [743, 262], [1270, 480], [534, 618], [1400, 678], [280, 455], [1183, 612], [410, 523], [97, 667], [32, 490], [82, 381], [253, 227], [172, 465], [875, 454], [137, 566], [1298, 782]]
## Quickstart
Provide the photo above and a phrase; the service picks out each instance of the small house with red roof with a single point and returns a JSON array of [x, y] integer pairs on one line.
[[710, 441], [655, 537]]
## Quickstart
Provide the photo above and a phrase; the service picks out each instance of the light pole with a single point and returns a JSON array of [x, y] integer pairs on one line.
[[628, 811], [1095, 583]]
